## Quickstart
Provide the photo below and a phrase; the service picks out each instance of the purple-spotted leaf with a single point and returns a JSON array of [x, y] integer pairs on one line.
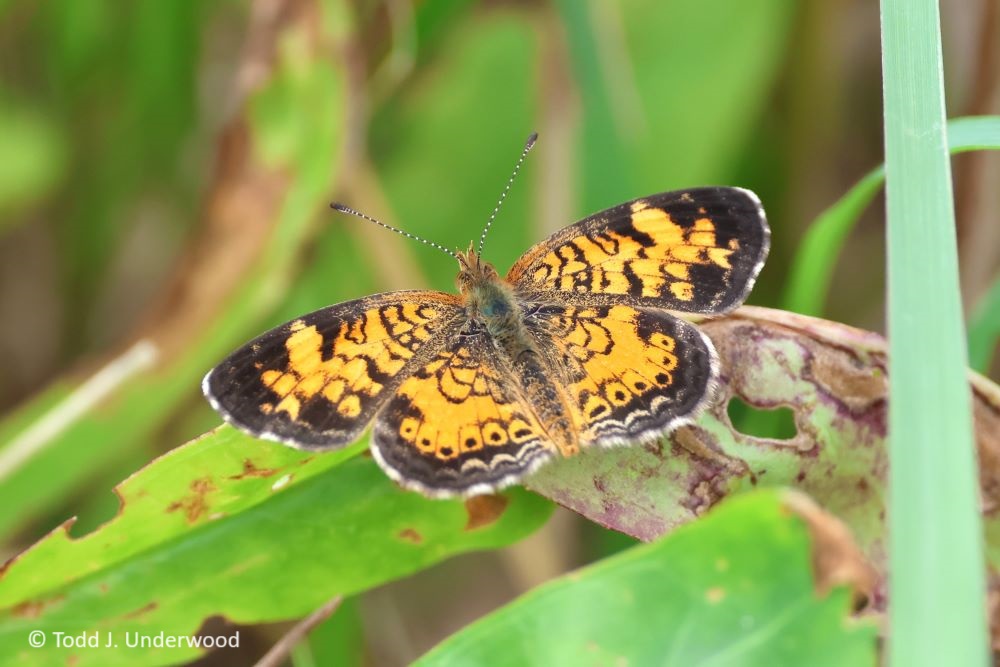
[[833, 378]]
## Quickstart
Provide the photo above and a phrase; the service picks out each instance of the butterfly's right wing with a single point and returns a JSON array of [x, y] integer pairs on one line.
[[316, 382], [631, 374], [693, 251]]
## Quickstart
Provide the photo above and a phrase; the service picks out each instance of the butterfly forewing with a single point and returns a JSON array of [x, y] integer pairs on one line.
[[696, 251], [316, 382]]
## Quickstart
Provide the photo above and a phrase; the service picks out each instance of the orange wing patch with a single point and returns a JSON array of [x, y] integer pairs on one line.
[[371, 349], [698, 251], [319, 380], [632, 373]]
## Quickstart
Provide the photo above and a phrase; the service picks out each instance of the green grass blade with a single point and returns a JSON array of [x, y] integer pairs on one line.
[[812, 269], [937, 588], [635, 137], [984, 329]]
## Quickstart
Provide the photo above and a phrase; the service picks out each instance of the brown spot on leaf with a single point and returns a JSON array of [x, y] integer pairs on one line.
[[836, 558], [33, 608], [411, 535], [250, 470], [484, 510], [28, 609], [194, 504], [711, 471], [699, 442], [857, 385], [145, 609], [72, 661]]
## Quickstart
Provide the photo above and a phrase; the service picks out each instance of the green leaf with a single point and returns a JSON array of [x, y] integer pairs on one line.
[[339, 640], [984, 329], [650, 124], [938, 584], [35, 158], [247, 529], [290, 163], [812, 269], [460, 127], [733, 589]]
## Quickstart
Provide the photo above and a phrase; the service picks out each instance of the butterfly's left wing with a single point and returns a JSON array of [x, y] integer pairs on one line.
[[317, 381], [695, 251]]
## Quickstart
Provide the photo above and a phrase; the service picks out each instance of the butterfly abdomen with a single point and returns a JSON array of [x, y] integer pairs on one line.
[[547, 401]]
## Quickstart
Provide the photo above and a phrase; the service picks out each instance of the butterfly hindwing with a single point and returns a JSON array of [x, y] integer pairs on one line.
[[631, 373], [460, 424], [696, 251], [316, 382]]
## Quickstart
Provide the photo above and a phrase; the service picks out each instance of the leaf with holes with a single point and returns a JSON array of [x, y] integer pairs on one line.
[[232, 526], [833, 377]]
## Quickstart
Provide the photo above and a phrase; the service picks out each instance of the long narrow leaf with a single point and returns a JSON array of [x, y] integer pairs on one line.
[[937, 583]]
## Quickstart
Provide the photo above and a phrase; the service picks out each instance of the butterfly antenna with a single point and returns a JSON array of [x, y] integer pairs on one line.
[[503, 195], [347, 209]]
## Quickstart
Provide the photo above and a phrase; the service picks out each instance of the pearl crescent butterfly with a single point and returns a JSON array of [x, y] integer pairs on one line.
[[574, 347]]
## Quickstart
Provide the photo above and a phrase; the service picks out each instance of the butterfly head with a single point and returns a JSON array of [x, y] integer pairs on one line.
[[474, 273], [489, 300]]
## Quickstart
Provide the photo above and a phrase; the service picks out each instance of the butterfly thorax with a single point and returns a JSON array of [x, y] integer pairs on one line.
[[491, 303]]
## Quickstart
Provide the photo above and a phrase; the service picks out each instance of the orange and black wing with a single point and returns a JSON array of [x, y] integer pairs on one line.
[[631, 374], [460, 424], [696, 251], [316, 382]]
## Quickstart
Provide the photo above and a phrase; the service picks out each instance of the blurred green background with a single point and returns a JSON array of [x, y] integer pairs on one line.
[[166, 169]]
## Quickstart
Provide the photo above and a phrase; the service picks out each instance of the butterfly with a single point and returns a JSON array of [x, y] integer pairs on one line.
[[471, 392]]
